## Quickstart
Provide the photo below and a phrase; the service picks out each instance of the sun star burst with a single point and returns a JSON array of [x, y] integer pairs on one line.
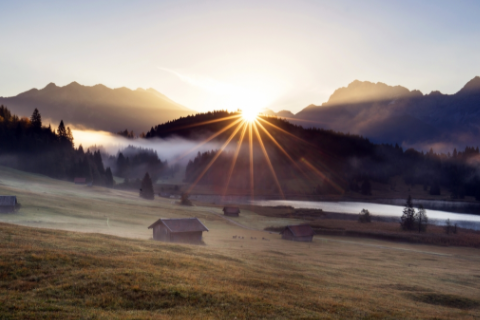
[[249, 115]]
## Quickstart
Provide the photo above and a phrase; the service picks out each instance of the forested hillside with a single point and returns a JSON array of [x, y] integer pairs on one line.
[[27, 145], [317, 160]]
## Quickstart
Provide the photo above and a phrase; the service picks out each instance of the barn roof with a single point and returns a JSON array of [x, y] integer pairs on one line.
[[181, 225], [302, 230], [231, 210], [8, 201]]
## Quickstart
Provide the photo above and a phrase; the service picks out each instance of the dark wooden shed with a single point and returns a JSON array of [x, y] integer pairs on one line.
[[301, 232], [80, 181], [187, 230], [8, 204], [231, 211]]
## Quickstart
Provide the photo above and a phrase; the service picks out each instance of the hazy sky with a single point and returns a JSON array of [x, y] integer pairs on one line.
[[224, 54]]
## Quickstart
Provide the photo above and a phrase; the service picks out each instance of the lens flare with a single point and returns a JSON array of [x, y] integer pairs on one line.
[[249, 115]]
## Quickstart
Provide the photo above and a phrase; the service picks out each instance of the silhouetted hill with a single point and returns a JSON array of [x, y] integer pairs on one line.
[[316, 161], [98, 107], [396, 115]]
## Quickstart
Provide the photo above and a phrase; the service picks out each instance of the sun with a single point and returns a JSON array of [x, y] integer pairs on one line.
[[249, 115]]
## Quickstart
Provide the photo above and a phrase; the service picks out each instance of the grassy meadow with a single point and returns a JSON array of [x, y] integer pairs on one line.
[[109, 268]]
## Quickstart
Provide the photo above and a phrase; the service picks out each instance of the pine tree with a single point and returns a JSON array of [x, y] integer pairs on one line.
[[146, 189], [435, 189], [61, 131], [407, 221], [366, 188], [421, 219], [69, 135], [97, 159], [36, 119], [109, 182]]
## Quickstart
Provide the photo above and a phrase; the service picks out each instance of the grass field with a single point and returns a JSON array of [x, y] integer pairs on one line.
[[110, 268]]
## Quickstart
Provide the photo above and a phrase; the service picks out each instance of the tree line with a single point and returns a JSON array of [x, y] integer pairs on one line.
[[335, 162], [26, 144]]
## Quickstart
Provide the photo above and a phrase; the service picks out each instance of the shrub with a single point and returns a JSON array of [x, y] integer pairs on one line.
[[184, 200], [364, 216], [407, 221]]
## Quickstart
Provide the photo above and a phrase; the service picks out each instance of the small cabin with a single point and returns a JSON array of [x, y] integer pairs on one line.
[[231, 211], [303, 233], [187, 230], [80, 181], [8, 204]]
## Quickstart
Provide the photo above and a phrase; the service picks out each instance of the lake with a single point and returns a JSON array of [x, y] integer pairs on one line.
[[385, 210]]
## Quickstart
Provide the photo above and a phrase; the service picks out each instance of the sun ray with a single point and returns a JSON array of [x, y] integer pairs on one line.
[[206, 140], [234, 160], [333, 184], [284, 131], [205, 122], [294, 136], [250, 141], [282, 149], [268, 159], [214, 159]]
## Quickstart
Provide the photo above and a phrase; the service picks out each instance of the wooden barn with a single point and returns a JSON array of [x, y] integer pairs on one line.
[[301, 232], [80, 181], [8, 204], [231, 211], [187, 230]]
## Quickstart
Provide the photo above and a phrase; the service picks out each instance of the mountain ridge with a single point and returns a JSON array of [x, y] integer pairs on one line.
[[98, 107], [365, 107]]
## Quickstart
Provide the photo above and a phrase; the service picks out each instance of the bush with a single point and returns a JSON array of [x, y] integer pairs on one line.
[[364, 216], [184, 201], [407, 221]]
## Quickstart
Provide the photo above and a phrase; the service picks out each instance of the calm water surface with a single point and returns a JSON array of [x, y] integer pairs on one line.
[[374, 208]]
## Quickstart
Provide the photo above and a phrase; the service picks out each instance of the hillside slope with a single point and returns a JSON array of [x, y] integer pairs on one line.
[[98, 107], [47, 273]]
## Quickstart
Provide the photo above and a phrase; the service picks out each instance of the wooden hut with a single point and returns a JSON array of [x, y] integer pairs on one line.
[[8, 204], [231, 211], [80, 181], [301, 232], [187, 230]]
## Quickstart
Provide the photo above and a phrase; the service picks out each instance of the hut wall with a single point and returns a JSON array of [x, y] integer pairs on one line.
[[303, 239], [7, 209], [230, 214], [287, 235], [186, 237], [160, 233]]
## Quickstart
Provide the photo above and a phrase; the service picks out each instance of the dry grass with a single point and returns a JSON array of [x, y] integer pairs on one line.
[[63, 275], [435, 235], [54, 274]]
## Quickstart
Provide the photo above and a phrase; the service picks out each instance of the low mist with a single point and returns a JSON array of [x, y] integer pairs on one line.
[[170, 149]]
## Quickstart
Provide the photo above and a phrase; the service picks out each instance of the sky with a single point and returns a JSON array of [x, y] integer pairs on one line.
[[210, 55]]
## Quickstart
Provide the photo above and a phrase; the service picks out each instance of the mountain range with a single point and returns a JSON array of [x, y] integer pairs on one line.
[[394, 114], [382, 113], [98, 107]]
